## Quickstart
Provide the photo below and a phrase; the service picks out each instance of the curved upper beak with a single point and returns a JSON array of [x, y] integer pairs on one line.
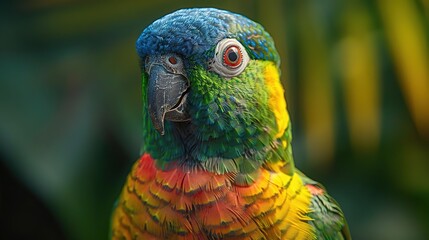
[[167, 93]]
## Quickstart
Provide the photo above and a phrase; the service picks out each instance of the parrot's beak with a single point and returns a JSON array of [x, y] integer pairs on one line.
[[167, 93]]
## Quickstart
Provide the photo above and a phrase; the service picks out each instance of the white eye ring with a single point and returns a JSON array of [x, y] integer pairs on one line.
[[223, 65]]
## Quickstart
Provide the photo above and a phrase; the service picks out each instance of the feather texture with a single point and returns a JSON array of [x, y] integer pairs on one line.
[[227, 172], [189, 204]]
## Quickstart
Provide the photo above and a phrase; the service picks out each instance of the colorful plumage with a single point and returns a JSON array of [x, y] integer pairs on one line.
[[217, 161]]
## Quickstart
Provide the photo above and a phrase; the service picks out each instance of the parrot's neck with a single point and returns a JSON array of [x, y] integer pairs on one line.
[[183, 146]]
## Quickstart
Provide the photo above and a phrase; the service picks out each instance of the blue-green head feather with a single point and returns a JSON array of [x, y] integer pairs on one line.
[[193, 33]]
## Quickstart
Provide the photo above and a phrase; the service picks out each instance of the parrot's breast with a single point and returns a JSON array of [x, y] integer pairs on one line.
[[197, 204]]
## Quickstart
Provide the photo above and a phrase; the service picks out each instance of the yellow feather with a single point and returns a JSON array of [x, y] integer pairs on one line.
[[294, 211], [276, 98]]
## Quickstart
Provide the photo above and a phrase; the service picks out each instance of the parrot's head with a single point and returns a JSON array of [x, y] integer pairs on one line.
[[212, 96]]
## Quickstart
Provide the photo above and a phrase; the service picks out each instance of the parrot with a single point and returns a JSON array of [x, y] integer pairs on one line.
[[216, 160]]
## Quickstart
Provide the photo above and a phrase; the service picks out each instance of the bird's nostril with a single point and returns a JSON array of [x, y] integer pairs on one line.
[[172, 60]]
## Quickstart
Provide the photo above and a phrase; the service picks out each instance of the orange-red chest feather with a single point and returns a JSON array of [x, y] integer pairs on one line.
[[178, 204]]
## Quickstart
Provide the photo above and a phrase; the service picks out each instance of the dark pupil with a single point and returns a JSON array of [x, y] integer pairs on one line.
[[232, 55]]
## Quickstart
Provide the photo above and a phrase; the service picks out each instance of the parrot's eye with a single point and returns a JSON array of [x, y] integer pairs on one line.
[[230, 58]]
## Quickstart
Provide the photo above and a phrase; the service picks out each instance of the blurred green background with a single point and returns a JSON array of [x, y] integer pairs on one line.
[[356, 79]]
